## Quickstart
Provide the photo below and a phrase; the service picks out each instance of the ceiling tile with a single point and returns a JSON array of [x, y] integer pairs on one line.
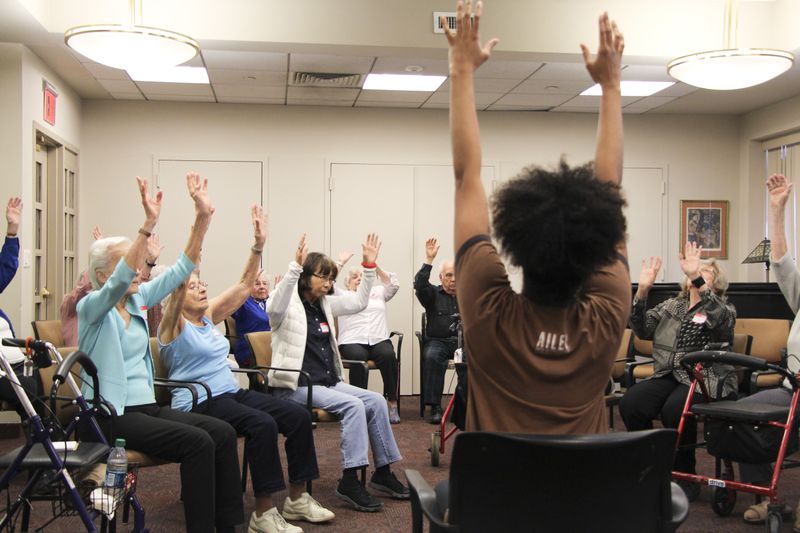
[[319, 102], [515, 70], [322, 94], [196, 61], [102, 72], [446, 105], [563, 72], [650, 102], [397, 65], [249, 91], [570, 109], [330, 63], [536, 86], [413, 105], [393, 96], [593, 102], [119, 86], [188, 89], [679, 89], [532, 100], [246, 100], [127, 96], [247, 77], [239, 60], [179, 98], [481, 99], [517, 108], [487, 85], [645, 73]]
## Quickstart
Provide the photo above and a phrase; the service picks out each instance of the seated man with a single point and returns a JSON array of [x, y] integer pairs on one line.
[[441, 309], [250, 317], [9, 262], [539, 361]]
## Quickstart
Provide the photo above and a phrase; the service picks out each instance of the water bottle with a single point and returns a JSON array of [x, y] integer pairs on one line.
[[116, 469]]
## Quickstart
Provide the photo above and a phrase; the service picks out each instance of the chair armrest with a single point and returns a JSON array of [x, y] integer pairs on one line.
[[753, 386], [184, 384], [423, 501], [350, 363], [628, 379], [400, 337], [305, 377]]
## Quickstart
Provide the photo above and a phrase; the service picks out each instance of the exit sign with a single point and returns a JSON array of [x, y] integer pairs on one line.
[[49, 107]]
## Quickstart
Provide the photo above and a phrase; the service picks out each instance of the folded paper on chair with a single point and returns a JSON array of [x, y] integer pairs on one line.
[[746, 442]]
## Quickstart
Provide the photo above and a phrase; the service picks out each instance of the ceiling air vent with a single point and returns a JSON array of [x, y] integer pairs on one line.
[[449, 16], [325, 79]]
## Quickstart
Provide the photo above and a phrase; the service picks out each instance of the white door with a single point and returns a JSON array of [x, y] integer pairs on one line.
[[379, 199], [648, 230], [233, 186]]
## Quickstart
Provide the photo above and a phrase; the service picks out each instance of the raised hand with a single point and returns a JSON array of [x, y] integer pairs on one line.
[[431, 249], [370, 248], [13, 215], [278, 279], [649, 273], [779, 189], [152, 206], [690, 260], [302, 251], [466, 52], [605, 68], [344, 257], [96, 233], [259, 226], [198, 190]]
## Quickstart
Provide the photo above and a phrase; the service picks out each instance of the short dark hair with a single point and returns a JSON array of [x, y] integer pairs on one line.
[[316, 263], [559, 226]]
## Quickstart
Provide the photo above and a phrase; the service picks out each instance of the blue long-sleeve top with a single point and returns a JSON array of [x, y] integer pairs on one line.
[[9, 263], [249, 317]]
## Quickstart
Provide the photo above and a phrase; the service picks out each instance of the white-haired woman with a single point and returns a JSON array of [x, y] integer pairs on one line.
[[364, 336], [112, 330], [699, 315]]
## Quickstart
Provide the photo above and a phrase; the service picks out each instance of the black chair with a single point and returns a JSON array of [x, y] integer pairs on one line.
[[617, 482]]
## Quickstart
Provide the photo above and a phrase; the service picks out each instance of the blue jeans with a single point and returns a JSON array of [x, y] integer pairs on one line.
[[364, 416], [435, 354]]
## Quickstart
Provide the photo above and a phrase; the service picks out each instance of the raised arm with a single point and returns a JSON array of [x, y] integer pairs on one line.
[[779, 189], [202, 211], [221, 307], [347, 302], [152, 208], [466, 55], [279, 299], [605, 70], [9, 256]]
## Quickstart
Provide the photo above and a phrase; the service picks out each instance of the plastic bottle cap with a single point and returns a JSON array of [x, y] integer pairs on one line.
[[119, 443]]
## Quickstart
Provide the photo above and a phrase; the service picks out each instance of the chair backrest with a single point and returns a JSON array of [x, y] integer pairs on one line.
[[506, 482], [769, 336], [742, 343], [230, 332], [642, 347], [163, 396], [48, 330], [261, 345], [624, 354]]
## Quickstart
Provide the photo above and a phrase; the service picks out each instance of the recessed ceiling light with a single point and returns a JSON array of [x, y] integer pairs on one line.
[[632, 88], [402, 82], [170, 74]]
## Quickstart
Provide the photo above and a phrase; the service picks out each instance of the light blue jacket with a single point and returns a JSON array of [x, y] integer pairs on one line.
[[99, 336]]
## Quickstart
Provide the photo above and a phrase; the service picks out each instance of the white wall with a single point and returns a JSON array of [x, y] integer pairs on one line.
[[120, 140], [21, 74]]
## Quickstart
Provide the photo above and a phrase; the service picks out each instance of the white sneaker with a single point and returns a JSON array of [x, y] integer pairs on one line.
[[270, 522], [306, 508]]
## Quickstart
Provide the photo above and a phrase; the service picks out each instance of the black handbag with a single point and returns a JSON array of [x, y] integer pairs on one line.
[[746, 442]]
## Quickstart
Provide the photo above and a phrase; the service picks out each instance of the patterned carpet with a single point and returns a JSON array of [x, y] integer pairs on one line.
[[159, 489]]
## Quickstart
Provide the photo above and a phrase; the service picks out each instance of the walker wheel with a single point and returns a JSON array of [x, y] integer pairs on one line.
[[436, 441], [773, 522], [723, 501]]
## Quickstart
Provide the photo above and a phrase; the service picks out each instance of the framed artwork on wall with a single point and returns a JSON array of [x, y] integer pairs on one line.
[[706, 223]]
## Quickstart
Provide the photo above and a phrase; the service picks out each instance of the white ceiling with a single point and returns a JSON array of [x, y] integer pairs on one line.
[[531, 76]]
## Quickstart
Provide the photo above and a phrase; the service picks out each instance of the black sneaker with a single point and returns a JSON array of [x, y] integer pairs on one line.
[[351, 491], [435, 416], [389, 484]]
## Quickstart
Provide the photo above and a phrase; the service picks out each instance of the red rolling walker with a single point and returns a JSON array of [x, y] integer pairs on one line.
[[741, 432], [441, 434]]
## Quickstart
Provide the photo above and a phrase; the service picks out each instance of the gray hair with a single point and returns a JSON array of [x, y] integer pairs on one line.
[[100, 256], [720, 277]]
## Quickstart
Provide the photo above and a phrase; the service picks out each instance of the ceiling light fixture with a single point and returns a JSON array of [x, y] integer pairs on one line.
[[402, 82], [731, 68], [131, 46]]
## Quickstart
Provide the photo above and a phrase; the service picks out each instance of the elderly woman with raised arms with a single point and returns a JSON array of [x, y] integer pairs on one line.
[[112, 330]]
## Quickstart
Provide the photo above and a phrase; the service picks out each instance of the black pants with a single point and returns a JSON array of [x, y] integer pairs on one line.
[[259, 417], [32, 385], [385, 359], [435, 356], [664, 397], [204, 446]]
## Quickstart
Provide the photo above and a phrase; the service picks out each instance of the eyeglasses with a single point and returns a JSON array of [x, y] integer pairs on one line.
[[330, 279], [196, 286]]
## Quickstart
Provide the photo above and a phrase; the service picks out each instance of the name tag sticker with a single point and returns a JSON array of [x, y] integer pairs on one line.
[[323, 327], [699, 318]]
